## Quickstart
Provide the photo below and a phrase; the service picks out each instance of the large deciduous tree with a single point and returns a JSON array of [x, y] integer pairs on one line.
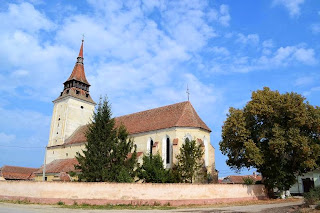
[[106, 156], [278, 134]]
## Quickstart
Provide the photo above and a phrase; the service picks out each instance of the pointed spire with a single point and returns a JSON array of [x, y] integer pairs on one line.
[[80, 57], [77, 84], [81, 50], [78, 70]]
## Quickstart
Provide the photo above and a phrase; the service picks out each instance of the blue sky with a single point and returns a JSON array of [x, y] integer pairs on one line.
[[142, 54]]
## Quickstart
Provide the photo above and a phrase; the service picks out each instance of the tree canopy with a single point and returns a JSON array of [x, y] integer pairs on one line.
[[190, 162], [153, 171], [106, 156], [278, 134]]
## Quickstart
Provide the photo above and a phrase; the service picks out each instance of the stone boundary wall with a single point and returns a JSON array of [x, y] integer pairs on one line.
[[128, 193]]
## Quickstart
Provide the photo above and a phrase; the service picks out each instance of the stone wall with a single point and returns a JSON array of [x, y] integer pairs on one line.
[[126, 193]]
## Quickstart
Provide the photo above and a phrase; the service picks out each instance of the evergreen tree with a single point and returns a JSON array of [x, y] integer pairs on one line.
[[152, 170], [190, 162], [278, 134], [105, 158]]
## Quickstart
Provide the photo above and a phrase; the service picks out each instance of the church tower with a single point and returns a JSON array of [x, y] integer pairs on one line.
[[74, 107]]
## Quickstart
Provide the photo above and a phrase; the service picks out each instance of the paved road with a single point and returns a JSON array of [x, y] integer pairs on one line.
[[19, 208]]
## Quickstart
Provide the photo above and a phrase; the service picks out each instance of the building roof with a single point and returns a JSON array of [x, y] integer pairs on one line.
[[176, 115], [78, 70], [72, 86], [239, 179], [60, 165], [17, 172], [78, 136]]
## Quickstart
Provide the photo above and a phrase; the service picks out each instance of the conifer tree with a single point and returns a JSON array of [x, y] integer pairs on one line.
[[190, 162], [105, 158], [278, 134], [152, 170]]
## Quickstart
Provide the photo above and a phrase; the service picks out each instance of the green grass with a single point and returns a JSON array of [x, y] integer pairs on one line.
[[118, 207], [16, 201]]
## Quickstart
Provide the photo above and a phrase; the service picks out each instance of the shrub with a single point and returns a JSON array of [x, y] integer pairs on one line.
[[248, 181], [60, 203], [313, 196]]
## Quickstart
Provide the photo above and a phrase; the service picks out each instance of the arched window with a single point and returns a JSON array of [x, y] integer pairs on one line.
[[187, 136], [168, 151], [151, 145]]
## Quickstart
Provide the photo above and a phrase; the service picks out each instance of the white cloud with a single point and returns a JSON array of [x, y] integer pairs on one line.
[[24, 127], [293, 6], [222, 16], [315, 28], [225, 17], [248, 39], [303, 81], [312, 90], [25, 17], [284, 55], [6, 138], [220, 50]]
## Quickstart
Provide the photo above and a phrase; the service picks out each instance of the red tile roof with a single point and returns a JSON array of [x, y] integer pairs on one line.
[[81, 50], [176, 115], [17, 172], [61, 165], [78, 70], [78, 136], [238, 179]]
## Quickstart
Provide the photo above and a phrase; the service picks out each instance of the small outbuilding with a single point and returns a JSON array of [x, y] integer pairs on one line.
[[17, 173]]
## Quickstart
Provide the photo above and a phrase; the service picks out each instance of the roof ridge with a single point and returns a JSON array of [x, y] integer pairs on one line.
[[150, 109], [19, 167]]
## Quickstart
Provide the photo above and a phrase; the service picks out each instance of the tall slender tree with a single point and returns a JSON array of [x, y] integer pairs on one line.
[[190, 161], [106, 156]]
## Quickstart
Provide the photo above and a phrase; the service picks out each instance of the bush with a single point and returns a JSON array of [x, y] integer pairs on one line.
[[248, 181], [60, 203], [313, 196], [152, 170]]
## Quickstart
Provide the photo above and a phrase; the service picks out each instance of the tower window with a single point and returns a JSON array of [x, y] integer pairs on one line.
[[67, 91], [77, 92], [67, 154], [81, 107], [87, 95], [57, 132], [59, 119]]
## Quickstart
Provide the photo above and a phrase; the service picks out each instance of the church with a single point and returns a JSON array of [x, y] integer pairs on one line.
[[161, 130]]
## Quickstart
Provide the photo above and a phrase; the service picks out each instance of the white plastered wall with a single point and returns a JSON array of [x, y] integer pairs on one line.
[[68, 114]]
